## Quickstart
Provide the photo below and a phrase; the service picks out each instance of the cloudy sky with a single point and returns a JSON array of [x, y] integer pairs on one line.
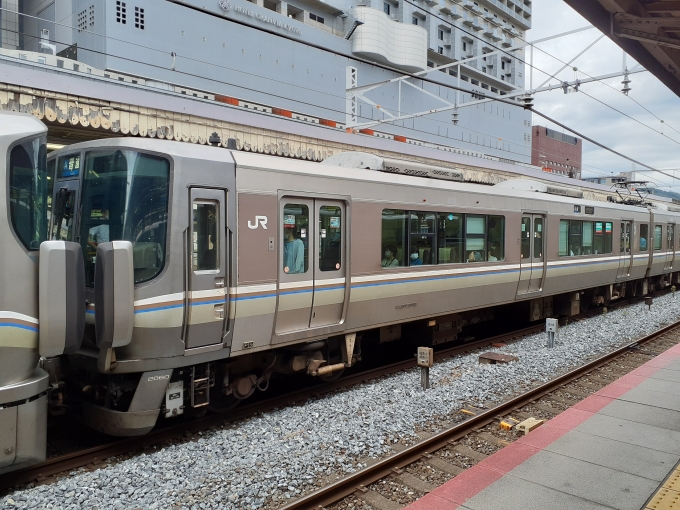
[[637, 140]]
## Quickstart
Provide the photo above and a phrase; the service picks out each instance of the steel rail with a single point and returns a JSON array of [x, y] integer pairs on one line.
[[344, 487], [96, 455]]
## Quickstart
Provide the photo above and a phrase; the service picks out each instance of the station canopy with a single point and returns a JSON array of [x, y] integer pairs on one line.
[[648, 30]]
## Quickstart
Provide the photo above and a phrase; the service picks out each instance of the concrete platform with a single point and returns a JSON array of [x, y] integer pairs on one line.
[[615, 449]]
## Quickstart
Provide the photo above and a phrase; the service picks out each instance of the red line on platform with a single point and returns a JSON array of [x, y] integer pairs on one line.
[[454, 493]]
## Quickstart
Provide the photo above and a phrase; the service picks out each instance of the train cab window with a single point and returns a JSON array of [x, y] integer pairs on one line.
[[205, 245], [330, 238], [125, 198], [657, 237], [29, 189], [394, 238], [450, 238], [296, 238], [644, 236], [423, 227]]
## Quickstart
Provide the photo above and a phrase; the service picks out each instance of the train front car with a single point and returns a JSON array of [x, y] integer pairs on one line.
[[24, 192], [153, 221]]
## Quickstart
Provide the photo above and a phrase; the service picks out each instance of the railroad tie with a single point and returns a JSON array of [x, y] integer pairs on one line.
[[470, 453], [377, 500], [442, 465], [415, 483]]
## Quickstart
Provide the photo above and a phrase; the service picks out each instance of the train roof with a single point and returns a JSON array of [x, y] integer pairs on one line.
[[261, 161], [20, 125]]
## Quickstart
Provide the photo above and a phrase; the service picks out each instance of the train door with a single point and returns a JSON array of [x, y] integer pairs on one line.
[[626, 257], [66, 199], [205, 301], [64, 210], [532, 253], [329, 268], [670, 246], [312, 272]]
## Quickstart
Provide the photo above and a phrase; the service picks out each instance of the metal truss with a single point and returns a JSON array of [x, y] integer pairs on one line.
[[356, 93]]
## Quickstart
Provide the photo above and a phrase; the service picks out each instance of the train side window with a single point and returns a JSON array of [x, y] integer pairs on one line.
[[475, 238], [330, 238], [575, 237], [587, 238], [526, 238], [450, 238], [296, 238], [563, 249], [205, 244], [496, 238], [608, 237], [657, 237], [644, 236], [394, 238], [423, 227]]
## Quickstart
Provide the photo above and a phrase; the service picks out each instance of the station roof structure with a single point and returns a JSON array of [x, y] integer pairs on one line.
[[648, 30]]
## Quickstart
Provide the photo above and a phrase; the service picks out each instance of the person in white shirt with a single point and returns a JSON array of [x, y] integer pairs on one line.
[[100, 233]]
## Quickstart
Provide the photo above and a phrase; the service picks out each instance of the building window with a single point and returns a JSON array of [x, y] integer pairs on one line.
[[139, 18], [386, 8], [415, 20], [440, 34], [483, 69], [316, 18], [464, 46], [121, 12], [440, 50]]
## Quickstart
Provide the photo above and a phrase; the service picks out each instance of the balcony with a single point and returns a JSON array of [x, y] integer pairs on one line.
[[431, 3], [488, 16], [488, 31], [508, 41], [468, 19], [495, 35], [455, 12], [445, 7]]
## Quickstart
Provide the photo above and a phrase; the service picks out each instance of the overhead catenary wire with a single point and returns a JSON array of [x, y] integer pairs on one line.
[[422, 78]]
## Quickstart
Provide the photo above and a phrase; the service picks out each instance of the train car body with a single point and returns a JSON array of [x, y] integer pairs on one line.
[[24, 191], [205, 271]]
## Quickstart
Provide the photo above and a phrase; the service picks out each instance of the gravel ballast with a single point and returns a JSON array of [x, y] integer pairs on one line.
[[264, 461]]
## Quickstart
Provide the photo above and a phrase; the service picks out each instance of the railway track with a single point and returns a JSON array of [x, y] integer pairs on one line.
[[93, 458], [401, 478]]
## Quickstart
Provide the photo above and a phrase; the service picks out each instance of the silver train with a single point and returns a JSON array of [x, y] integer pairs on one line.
[[147, 279]]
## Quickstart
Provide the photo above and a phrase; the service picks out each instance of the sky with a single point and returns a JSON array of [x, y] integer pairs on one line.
[[642, 140]]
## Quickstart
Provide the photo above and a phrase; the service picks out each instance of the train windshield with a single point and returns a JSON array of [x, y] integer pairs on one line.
[[29, 192], [125, 198]]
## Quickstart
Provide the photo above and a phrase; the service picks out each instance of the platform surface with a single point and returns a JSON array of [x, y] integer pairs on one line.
[[615, 449]]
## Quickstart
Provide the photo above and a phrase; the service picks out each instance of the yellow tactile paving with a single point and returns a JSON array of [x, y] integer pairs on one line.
[[668, 495], [665, 499], [673, 481]]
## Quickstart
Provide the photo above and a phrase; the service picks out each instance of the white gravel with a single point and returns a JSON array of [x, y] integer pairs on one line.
[[280, 454]]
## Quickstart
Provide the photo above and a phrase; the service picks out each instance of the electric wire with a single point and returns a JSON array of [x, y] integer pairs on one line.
[[453, 87]]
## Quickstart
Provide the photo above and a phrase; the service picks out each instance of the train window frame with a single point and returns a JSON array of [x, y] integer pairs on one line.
[[40, 192], [206, 232], [644, 236], [658, 230], [160, 234], [599, 234], [298, 236], [398, 243]]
